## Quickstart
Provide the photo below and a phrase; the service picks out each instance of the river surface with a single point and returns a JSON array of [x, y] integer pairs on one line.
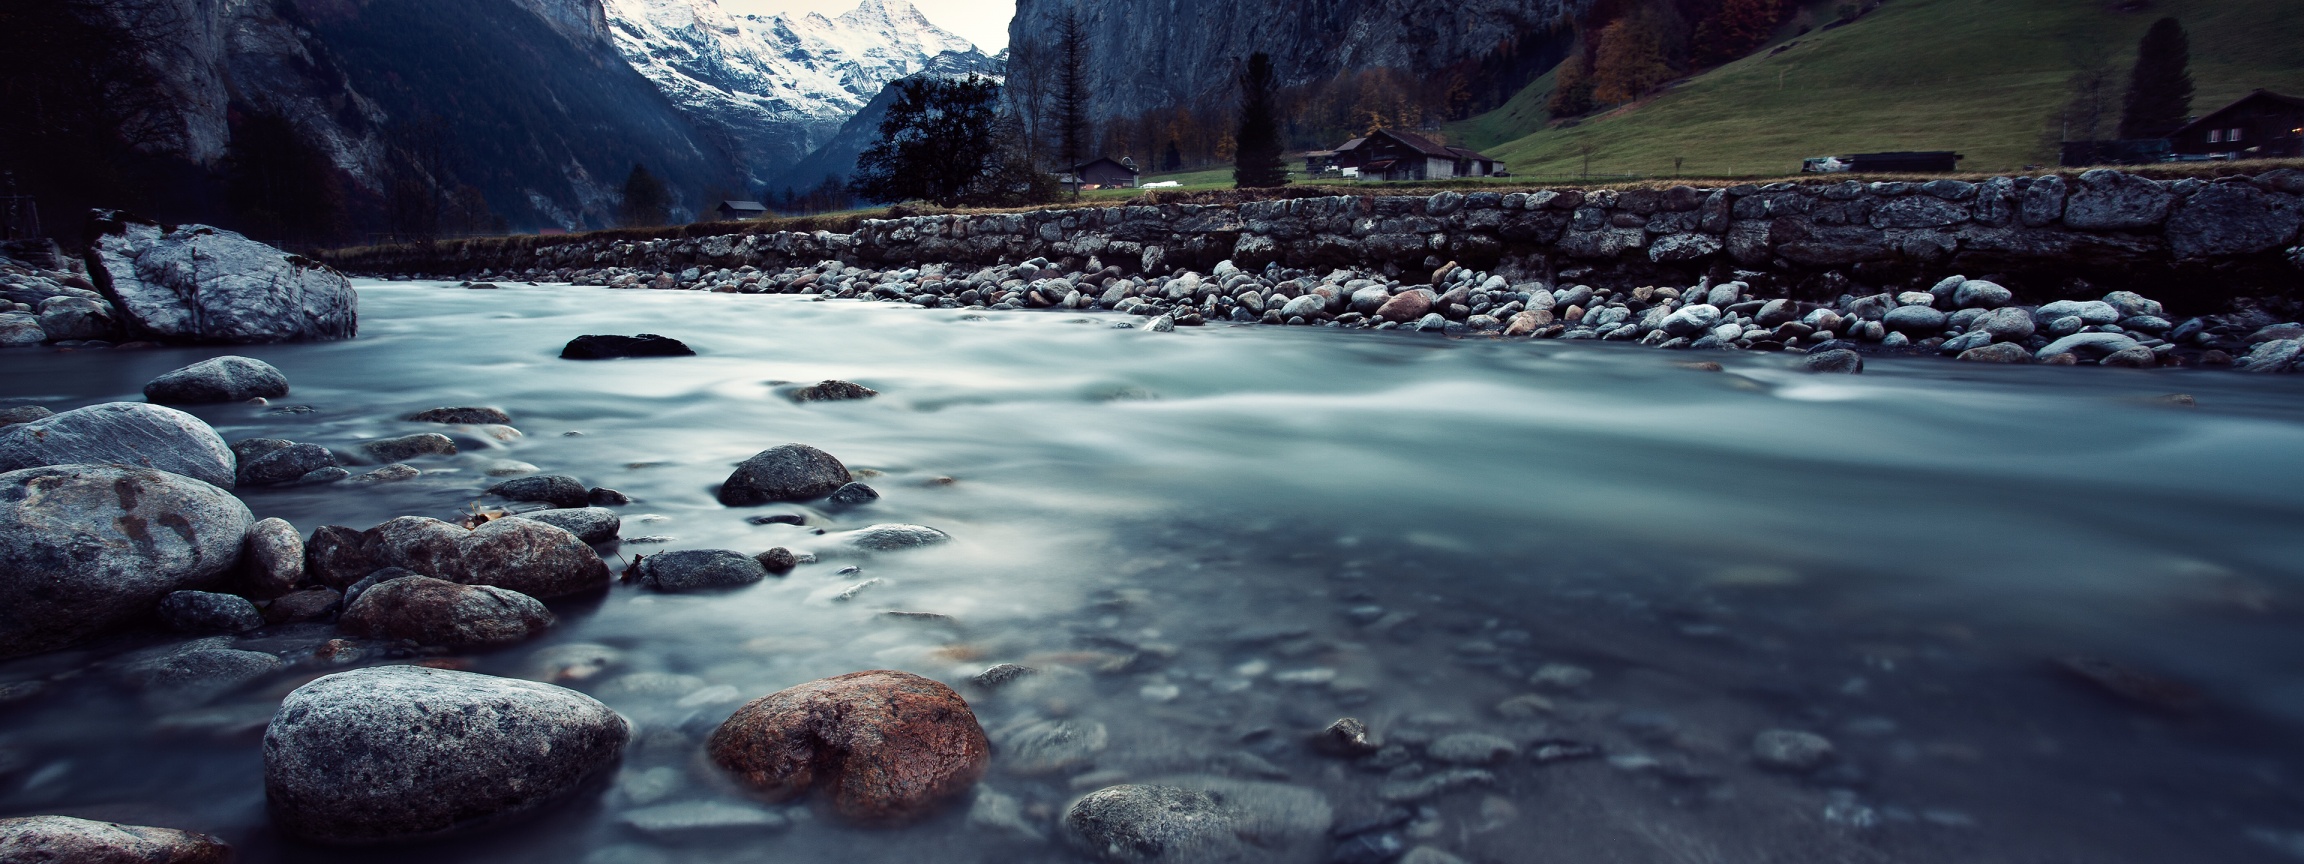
[[1216, 541]]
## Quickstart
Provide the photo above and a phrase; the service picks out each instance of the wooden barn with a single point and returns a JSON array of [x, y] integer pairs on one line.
[[1389, 155], [1107, 173], [2261, 125], [740, 211]]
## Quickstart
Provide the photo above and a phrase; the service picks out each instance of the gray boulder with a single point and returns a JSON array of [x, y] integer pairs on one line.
[[408, 447], [589, 524], [2223, 219], [431, 611], [285, 465], [2106, 200], [2133, 305], [20, 329], [1914, 320], [272, 558], [1999, 352], [852, 495], [2278, 355], [219, 379], [892, 537], [86, 548], [462, 416], [127, 433], [2007, 324], [396, 753], [206, 285], [196, 672], [417, 544], [792, 472], [1836, 361], [699, 570], [2090, 312], [1979, 294], [1199, 820], [66, 840], [77, 318], [2086, 346], [1692, 319], [558, 490], [206, 612]]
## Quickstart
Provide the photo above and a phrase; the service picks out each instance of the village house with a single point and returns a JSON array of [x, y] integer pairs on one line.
[[1106, 173], [741, 211], [2260, 125], [1388, 155]]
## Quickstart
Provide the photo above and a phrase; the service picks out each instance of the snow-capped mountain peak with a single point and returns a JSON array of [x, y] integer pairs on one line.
[[775, 86]]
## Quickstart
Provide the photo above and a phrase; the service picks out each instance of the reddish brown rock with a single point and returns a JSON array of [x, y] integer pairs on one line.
[[438, 612], [887, 746], [530, 557], [66, 840], [310, 604], [417, 543], [1406, 307], [336, 556]]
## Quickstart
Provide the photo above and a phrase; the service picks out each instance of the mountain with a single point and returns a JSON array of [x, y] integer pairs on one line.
[[1986, 78], [837, 157], [772, 88], [516, 112], [1157, 54]]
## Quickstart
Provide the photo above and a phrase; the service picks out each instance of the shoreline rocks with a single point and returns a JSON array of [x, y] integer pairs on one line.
[[398, 753], [887, 747], [129, 433], [222, 379]]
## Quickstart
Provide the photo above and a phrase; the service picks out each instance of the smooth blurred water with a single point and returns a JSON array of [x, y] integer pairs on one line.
[[1282, 526]]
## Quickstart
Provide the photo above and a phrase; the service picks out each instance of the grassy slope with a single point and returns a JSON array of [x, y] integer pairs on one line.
[[1977, 76]]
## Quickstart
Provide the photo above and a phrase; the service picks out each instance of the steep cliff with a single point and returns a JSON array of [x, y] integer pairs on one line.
[[1149, 54]]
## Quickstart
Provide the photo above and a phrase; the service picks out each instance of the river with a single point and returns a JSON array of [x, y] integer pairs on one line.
[[1215, 541]]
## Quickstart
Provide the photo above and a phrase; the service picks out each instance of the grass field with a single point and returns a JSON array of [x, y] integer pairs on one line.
[[1978, 76]]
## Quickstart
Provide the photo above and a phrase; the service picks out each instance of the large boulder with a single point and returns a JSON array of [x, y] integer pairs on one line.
[[2107, 200], [1199, 820], [127, 433], [219, 379], [77, 318], [792, 472], [888, 747], [589, 524], [2086, 346], [558, 490], [66, 840], [194, 283], [85, 548], [404, 752], [431, 611]]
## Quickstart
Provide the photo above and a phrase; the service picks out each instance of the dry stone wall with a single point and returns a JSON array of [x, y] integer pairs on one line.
[[2197, 243]]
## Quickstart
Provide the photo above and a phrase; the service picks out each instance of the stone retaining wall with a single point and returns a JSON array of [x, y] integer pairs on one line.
[[2197, 243]]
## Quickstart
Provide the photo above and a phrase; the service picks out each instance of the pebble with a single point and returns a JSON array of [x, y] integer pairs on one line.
[[1471, 748], [1410, 790], [1791, 750]]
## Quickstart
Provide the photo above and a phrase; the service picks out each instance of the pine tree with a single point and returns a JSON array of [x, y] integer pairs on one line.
[[1172, 159], [1072, 91], [2160, 88], [1258, 163], [646, 203]]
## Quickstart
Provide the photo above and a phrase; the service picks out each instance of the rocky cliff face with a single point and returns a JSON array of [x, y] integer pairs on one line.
[[773, 88], [1147, 54]]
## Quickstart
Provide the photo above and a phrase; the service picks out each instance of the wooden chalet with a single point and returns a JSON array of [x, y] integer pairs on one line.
[[740, 211], [2260, 125], [1107, 173], [1388, 155]]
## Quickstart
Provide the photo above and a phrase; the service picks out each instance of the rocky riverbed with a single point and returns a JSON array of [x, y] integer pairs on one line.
[[1216, 593]]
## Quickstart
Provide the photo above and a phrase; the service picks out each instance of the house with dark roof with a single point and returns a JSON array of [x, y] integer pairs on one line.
[[739, 211], [1106, 173], [2260, 125], [1388, 155]]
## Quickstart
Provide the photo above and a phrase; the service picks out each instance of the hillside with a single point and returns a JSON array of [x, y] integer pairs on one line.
[[1977, 76]]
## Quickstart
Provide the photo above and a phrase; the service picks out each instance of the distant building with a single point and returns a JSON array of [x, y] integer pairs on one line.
[[739, 211], [1389, 155], [2260, 125], [1106, 173]]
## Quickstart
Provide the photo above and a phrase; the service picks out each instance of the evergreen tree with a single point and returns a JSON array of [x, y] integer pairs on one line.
[[1172, 159], [1072, 91], [944, 142], [2160, 88], [1257, 162], [646, 202]]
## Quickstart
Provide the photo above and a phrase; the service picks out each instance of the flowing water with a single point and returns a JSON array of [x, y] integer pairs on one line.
[[1214, 542]]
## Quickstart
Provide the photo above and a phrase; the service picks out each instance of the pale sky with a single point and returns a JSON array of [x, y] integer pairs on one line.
[[984, 22]]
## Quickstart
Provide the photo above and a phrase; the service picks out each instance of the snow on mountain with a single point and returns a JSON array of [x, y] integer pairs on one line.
[[775, 87]]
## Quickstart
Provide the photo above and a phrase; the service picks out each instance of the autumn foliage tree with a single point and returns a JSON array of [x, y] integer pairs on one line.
[[1631, 60], [1571, 86], [1740, 27]]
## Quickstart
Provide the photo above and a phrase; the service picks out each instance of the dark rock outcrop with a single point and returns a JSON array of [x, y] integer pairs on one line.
[[792, 472], [699, 570], [612, 347]]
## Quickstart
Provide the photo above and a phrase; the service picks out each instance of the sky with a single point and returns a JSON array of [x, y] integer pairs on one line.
[[984, 22]]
